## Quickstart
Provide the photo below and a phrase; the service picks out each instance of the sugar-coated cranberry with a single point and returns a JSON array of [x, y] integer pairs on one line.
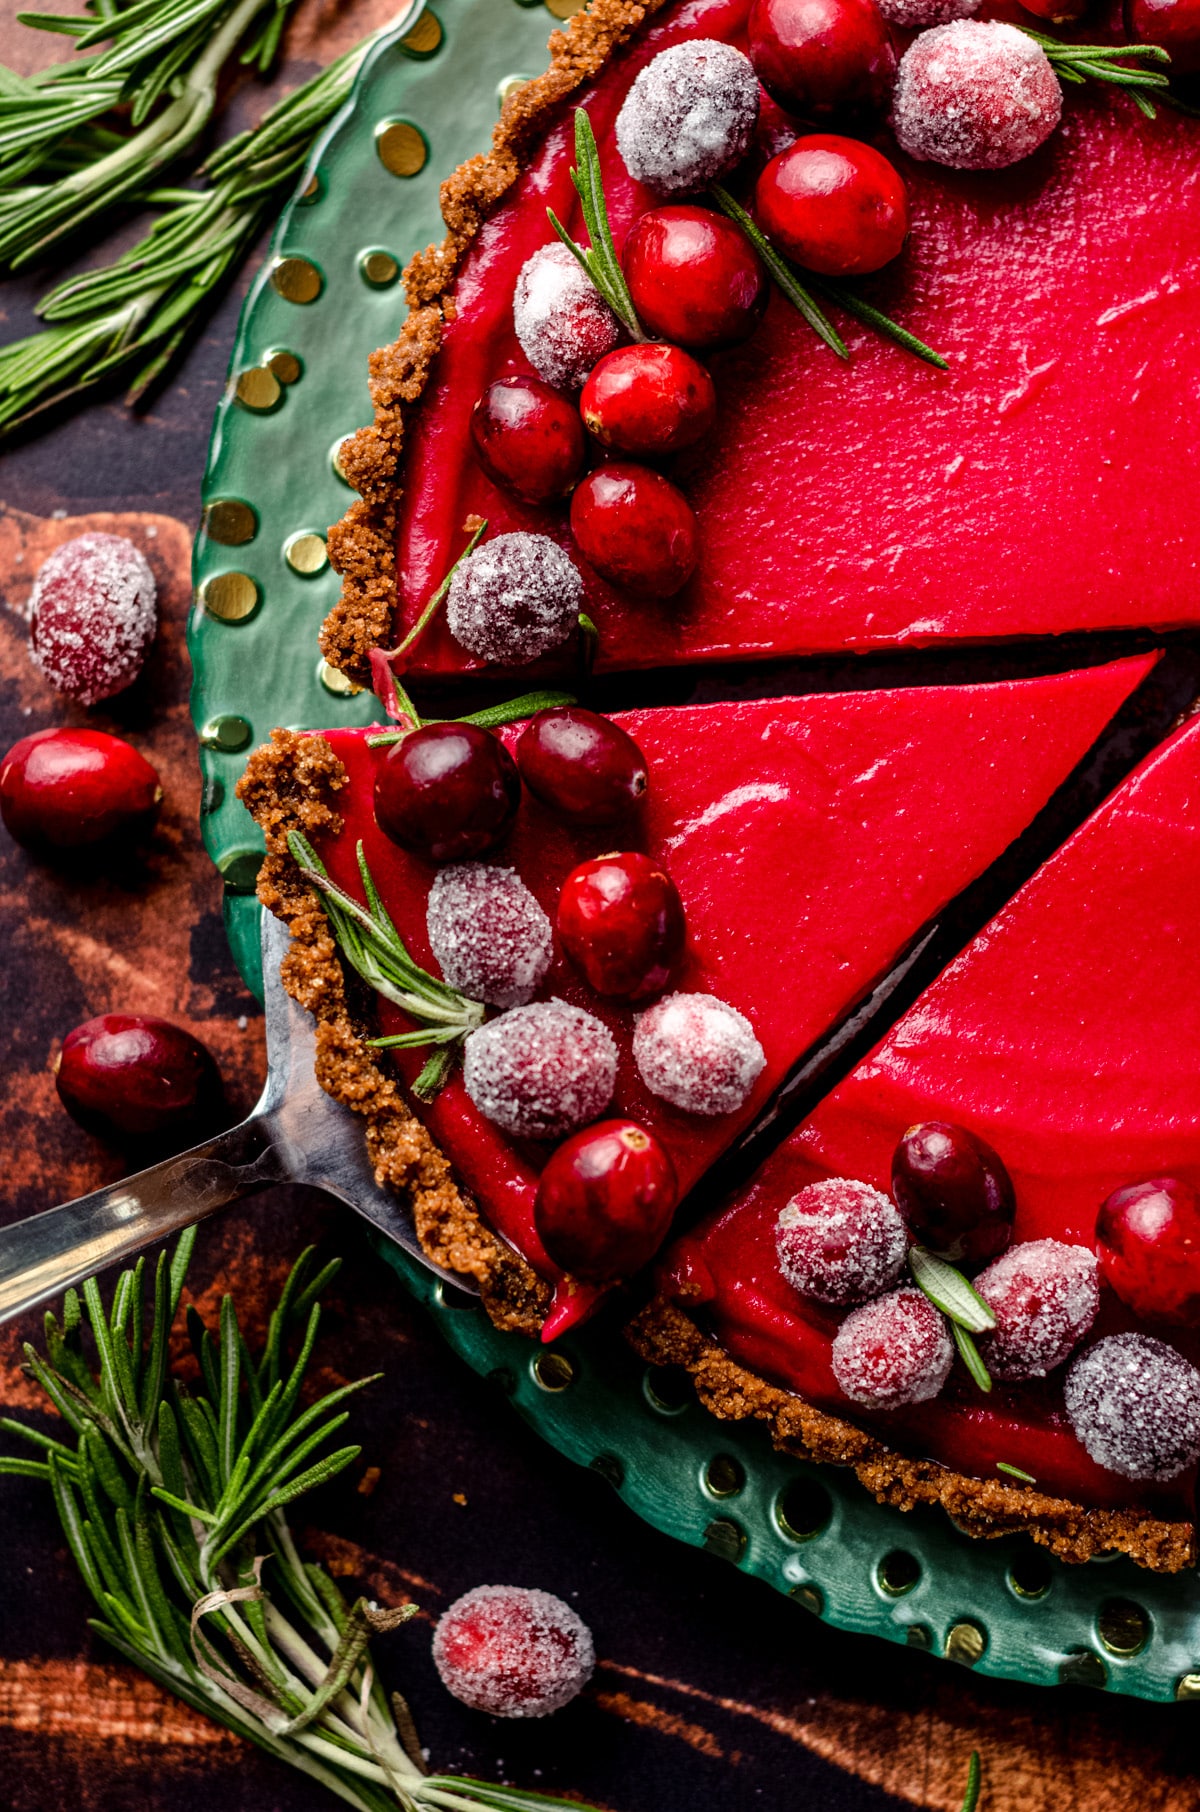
[[492, 940], [915, 14], [698, 1053], [93, 615], [689, 117], [621, 920], [975, 95], [841, 1241], [542, 1070], [1045, 1297], [605, 1200], [636, 529], [447, 792], [513, 1651], [954, 1192], [1134, 1403], [1148, 1244], [561, 320], [1174, 24], [693, 277], [648, 400], [583, 766], [516, 597], [893, 1351], [833, 204], [131, 1076], [72, 789], [826, 60], [528, 438]]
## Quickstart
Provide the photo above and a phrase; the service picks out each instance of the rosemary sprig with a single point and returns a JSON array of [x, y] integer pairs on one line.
[[974, 1783], [961, 1304], [172, 1500], [492, 717], [1016, 1472], [970, 1356], [1097, 63], [599, 259], [387, 686]]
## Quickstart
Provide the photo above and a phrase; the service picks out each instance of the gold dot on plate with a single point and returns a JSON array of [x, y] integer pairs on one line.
[[898, 1572], [258, 388], [311, 189], [286, 366], [724, 1476], [1030, 1575], [306, 554], [296, 280], [337, 682], [1082, 1668], [1188, 1687], [919, 1635], [507, 85], [379, 268], [230, 521], [1124, 1626], [726, 1539], [554, 1371], [425, 36], [229, 734], [810, 1597], [564, 9], [401, 148], [230, 596], [965, 1642]]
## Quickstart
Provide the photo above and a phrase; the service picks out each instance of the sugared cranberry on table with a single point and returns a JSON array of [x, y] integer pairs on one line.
[[698, 1053], [541, 1071], [1148, 1244], [131, 1076], [92, 616], [1045, 1297], [447, 792], [560, 318], [1134, 1403], [636, 529], [512, 1651], [974, 95], [516, 597], [954, 1192], [492, 940], [649, 401], [528, 438], [583, 766], [834, 205], [893, 1351], [1174, 24], [693, 277], [824, 60], [689, 117], [605, 1200], [841, 1241], [73, 789], [621, 920]]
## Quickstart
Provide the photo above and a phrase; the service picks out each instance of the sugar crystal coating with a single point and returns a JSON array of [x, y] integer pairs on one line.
[[488, 933], [913, 14], [513, 1651], [561, 319], [689, 117], [974, 95], [698, 1053], [93, 616], [515, 597], [841, 1241], [894, 1351], [541, 1071], [1134, 1403], [1045, 1296]]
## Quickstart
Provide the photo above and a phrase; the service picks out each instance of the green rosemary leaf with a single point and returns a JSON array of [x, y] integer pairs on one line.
[[155, 1376], [949, 1291], [434, 604], [974, 1781], [844, 297], [102, 1461], [72, 1527], [24, 1469], [970, 1356], [320, 1474], [415, 1041], [200, 1443], [227, 1412], [36, 1438], [316, 1286], [514, 710], [183, 1505], [781, 271], [1016, 1472], [435, 1073], [1116, 65]]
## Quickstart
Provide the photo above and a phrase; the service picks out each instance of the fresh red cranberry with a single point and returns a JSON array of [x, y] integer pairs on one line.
[[1148, 1244], [131, 1076], [621, 920], [528, 438], [648, 400], [694, 279], [582, 765], [605, 1200], [447, 792], [1058, 12], [636, 528], [826, 60], [72, 789], [1174, 24], [834, 205], [954, 1192]]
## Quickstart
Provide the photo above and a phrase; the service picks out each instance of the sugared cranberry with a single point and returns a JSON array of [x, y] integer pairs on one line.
[[835, 205], [92, 616], [130, 1076], [1148, 1244], [975, 95], [561, 320], [583, 766], [954, 1192], [694, 279], [541, 1071], [605, 1200], [1045, 1297], [516, 597], [689, 117], [621, 920], [841, 1241], [1134, 1403], [893, 1351], [823, 59], [913, 15], [512, 1651], [447, 792], [1174, 24], [72, 789], [648, 400], [636, 528], [492, 940], [528, 438], [698, 1053]]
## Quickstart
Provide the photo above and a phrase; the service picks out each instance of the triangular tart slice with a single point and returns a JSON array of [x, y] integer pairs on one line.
[[810, 839]]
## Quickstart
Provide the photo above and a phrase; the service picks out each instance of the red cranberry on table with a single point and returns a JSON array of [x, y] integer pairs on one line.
[[636, 529], [605, 1200], [954, 1192], [447, 792], [512, 1651], [825, 60], [583, 766], [528, 438], [649, 401], [1174, 24], [833, 204], [92, 616], [621, 920], [73, 789], [1148, 1244], [693, 277], [129, 1076]]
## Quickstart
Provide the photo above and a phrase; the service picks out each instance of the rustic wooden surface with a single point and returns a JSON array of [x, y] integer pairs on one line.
[[711, 1690]]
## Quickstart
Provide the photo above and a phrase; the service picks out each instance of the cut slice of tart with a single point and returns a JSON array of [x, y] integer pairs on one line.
[[1030, 489], [810, 840], [1067, 1038]]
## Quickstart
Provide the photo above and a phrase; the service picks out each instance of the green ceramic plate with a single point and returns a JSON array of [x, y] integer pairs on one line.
[[326, 297]]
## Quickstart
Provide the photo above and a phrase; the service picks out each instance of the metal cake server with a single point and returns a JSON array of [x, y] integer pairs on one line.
[[294, 1134]]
